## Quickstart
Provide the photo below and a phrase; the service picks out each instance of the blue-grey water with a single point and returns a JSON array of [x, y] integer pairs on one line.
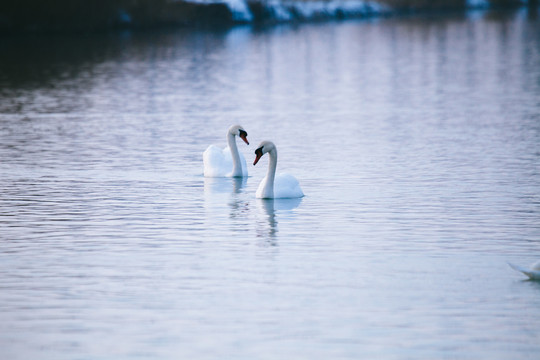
[[415, 140]]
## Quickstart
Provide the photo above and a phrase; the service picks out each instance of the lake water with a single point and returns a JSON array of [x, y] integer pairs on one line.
[[415, 140]]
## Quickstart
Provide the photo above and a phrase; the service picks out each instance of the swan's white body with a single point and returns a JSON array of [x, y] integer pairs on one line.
[[280, 186], [226, 162], [533, 273]]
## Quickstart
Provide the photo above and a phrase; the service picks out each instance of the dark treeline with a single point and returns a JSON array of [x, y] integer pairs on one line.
[[91, 15], [95, 15]]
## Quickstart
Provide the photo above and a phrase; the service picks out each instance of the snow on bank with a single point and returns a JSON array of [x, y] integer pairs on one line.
[[283, 11], [248, 11], [345, 8], [239, 10]]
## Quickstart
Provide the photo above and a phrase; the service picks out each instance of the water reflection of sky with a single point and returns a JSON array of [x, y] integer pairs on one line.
[[227, 197]]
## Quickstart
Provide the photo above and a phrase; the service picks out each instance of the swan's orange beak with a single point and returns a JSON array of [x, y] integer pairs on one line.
[[258, 155], [243, 136]]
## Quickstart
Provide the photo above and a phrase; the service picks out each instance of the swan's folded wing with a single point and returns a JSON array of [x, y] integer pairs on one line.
[[287, 186], [217, 162]]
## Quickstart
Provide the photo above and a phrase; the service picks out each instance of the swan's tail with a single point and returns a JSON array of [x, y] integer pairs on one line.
[[517, 268], [533, 275]]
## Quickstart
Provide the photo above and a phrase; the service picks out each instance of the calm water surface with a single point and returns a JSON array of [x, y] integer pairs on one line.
[[416, 142]]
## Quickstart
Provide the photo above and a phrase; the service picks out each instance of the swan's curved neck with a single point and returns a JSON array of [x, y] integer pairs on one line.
[[271, 174], [237, 165]]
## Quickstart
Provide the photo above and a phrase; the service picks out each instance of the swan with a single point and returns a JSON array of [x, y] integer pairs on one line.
[[533, 273], [227, 162], [280, 186]]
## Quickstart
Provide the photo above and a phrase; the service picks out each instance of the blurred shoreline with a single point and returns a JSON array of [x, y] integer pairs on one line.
[[61, 16]]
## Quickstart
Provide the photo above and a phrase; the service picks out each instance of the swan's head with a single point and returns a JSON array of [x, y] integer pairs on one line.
[[264, 147], [239, 131]]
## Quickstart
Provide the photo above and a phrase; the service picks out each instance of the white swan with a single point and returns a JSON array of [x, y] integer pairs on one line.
[[533, 273], [227, 162], [282, 186]]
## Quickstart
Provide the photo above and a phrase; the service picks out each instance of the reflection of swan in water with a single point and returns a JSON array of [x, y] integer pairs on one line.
[[272, 207], [227, 162], [224, 196], [533, 272], [285, 204], [268, 207], [217, 185]]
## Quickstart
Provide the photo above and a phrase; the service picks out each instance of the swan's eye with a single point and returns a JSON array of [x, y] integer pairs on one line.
[[258, 151], [242, 133]]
